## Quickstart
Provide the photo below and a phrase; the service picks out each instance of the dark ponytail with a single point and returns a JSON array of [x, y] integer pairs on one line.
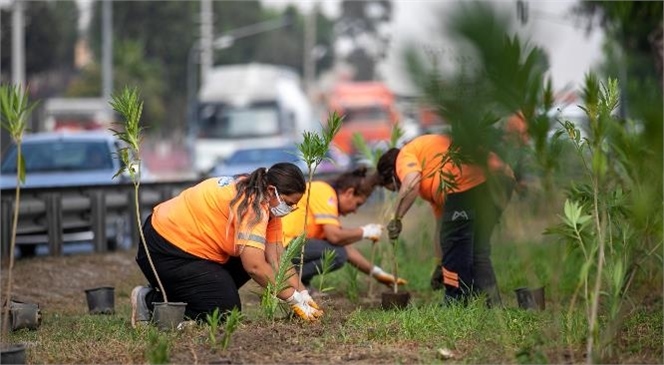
[[358, 180], [385, 167], [252, 189]]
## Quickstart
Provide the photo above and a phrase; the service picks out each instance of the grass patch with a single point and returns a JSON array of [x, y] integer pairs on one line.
[[354, 329]]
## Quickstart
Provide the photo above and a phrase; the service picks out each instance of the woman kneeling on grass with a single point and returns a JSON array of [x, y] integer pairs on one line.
[[324, 231], [212, 238]]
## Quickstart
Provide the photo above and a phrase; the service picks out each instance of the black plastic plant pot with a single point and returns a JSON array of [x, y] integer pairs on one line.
[[24, 315], [530, 298], [12, 354], [167, 315], [392, 300], [101, 300]]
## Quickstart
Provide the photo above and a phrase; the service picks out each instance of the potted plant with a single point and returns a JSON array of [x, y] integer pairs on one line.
[[14, 108], [166, 314], [372, 156], [395, 299]]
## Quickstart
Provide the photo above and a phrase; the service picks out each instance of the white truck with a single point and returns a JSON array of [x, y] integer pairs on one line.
[[244, 106]]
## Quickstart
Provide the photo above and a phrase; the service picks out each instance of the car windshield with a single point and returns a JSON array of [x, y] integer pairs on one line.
[[224, 121], [263, 156], [366, 114], [51, 156]]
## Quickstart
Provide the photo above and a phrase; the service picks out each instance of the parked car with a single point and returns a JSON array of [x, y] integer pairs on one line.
[[64, 159], [249, 159]]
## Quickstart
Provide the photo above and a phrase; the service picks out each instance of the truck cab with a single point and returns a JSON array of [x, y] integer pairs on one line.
[[368, 108], [251, 105]]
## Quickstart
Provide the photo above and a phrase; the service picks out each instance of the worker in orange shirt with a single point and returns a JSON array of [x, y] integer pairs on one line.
[[465, 212], [212, 238], [324, 231]]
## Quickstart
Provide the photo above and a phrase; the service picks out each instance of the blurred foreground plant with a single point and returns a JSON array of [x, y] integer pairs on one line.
[[15, 109], [605, 218]]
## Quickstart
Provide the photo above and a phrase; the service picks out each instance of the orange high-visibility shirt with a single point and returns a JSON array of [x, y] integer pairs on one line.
[[424, 154], [323, 209], [197, 222]]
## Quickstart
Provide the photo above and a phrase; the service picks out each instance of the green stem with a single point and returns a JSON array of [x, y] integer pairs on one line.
[[12, 245], [145, 245], [598, 279], [395, 286], [306, 217], [373, 263]]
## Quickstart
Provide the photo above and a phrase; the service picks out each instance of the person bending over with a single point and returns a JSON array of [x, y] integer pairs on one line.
[[324, 231], [211, 239], [471, 210]]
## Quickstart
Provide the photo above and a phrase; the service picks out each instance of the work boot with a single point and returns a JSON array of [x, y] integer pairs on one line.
[[437, 278], [140, 314]]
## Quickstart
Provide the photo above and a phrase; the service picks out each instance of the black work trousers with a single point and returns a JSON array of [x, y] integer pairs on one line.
[[465, 237], [203, 284], [313, 258]]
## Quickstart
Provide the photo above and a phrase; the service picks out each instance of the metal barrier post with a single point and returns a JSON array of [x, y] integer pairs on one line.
[[98, 205], [54, 223]]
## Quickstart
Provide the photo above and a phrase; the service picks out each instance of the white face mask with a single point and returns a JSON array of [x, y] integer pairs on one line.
[[282, 208]]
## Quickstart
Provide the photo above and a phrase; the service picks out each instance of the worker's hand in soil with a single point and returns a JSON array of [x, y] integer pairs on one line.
[[372, 231], [394, 228], [303, 309], [386, 278], [309, 300]]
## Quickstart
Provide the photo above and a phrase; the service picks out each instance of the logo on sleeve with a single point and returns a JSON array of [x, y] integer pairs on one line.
[[332, 202], [224, 181]]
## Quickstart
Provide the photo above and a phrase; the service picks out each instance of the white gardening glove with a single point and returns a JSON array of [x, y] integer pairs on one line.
[[302, 308], [308, 299], [372, 231], [385, 278]]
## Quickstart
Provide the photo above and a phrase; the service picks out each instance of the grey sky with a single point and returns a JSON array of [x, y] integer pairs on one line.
[[571, 52]]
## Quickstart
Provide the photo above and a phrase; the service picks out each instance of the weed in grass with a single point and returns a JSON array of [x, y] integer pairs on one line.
[[327, 260], [158, 347], [233, 320], [212, 321], [352, 283]]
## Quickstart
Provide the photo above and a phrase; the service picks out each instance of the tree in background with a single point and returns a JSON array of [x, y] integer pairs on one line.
[[133, 70], [168, 29], [50, 37], [285, 46], [363, 26], [634, 55]]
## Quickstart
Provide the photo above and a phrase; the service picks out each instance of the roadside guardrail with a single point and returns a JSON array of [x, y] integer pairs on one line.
[[58, 214]]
